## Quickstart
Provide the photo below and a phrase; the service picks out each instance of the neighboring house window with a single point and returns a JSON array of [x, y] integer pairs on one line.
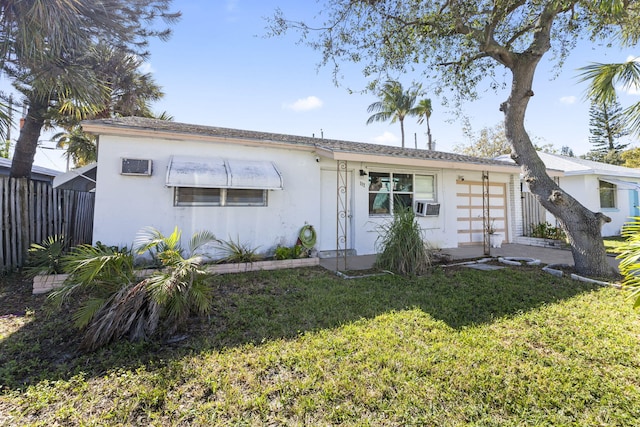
[[607, 195], [193, 196], [389, 190]]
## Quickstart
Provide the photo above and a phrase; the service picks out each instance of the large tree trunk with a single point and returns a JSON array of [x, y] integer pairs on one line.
[[583, 227], [28, 140]]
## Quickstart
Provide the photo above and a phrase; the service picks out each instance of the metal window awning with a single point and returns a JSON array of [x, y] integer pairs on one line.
[[624, 185], [222, 173]]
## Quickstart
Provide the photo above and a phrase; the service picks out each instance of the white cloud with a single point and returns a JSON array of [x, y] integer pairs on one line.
[[305, 104], [632, 90], [568, 100], [146, 68], [231, 5], [386, 138]]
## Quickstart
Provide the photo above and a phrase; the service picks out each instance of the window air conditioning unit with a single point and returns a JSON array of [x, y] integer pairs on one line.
[[139, 167], [424, 208]]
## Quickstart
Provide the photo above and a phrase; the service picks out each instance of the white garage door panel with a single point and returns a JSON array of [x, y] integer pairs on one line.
[[469, 211]]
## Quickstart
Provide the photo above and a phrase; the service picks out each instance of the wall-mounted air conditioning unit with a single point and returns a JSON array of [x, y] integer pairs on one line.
[[424, 208], [138, 167]]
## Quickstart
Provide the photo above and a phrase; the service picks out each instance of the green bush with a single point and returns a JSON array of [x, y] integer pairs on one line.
[[544, 230], [47, 257], [286, 252], [235, 251], [402, 248]]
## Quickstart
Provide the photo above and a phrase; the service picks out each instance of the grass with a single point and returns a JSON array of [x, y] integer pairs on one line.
[[303, 347]]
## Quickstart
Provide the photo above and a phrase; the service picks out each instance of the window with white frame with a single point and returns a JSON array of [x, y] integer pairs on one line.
[[391, 190], [607, 194], [195, 196]]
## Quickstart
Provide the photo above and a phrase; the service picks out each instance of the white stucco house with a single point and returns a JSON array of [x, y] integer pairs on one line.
[[600, 187], [261, 188]]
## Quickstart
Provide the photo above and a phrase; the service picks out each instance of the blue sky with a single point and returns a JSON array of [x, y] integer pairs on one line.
[[218, 69]]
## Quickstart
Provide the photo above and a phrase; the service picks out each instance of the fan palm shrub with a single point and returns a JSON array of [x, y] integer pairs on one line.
[[122, 302], [46, 257], [401, 247]]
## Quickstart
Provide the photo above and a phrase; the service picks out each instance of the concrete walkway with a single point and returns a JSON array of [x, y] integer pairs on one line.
[[545, 255]]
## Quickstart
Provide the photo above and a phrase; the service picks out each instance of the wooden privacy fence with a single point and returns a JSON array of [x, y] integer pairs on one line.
[[33, 211], [532, 213]]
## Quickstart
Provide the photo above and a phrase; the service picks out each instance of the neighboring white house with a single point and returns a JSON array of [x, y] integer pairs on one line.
[[261, 188], [600, 187]]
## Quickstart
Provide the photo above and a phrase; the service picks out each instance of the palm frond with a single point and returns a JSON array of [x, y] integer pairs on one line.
[[630, 259], [201, 239], [604, 77], [85, 313], [632, 116], [147, 239]]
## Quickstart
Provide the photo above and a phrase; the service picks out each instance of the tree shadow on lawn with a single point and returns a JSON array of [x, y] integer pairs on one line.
[[259, 306]]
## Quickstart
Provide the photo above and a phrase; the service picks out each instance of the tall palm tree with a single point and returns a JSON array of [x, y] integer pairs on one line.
[[395, 104], [44, 50], [424, 110], [81, 147], [603, 79]]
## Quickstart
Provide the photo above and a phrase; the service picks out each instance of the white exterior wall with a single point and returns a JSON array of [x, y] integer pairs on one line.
[[126, 204], [585, 188], [440, 231]]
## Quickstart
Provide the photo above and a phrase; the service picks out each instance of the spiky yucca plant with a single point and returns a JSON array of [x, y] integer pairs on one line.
[[630, 259], [402, 248], [236, 251]]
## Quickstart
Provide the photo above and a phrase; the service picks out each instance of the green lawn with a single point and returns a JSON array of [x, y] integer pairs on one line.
[[512, 347]]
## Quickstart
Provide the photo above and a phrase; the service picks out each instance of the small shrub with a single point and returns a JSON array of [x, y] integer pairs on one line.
[[403, 249], [237, 252], [286, 252], [47, 257], [544, 230]]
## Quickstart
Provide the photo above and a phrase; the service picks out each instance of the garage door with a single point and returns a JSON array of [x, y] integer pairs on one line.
[[469, 211]]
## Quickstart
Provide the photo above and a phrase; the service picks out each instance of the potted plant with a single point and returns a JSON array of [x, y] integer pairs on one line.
[[495, 238]]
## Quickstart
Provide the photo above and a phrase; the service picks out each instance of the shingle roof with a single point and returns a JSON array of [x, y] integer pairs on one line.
[[578, 166], [331, 145], [5, 164]]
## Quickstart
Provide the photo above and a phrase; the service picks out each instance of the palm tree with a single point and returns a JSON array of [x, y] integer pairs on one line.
[[603, 79], [126, 92], [44, 51], [81, 147], [424, 110], [395, 104]]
